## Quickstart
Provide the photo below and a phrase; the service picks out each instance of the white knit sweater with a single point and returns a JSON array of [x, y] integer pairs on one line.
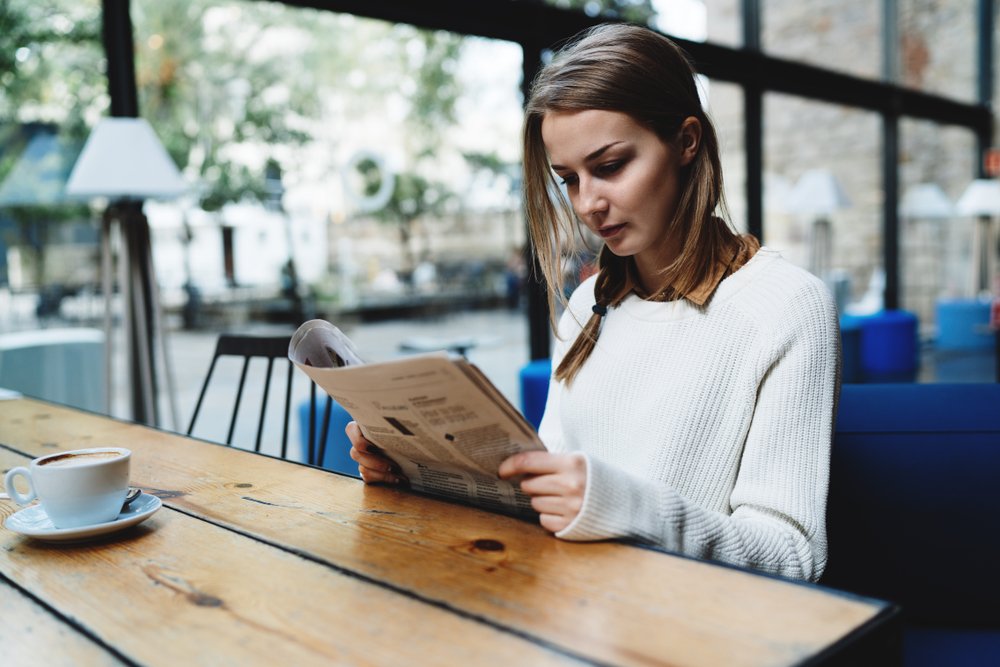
[[707, 430]]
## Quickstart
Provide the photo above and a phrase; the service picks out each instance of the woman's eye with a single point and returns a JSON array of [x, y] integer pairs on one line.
[[610, 167], [568, 180]]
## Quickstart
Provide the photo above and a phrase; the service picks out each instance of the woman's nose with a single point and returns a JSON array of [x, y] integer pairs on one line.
[[590, 199]]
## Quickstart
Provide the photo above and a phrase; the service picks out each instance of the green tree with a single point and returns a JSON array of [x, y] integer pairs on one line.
[[51, 81], [207, 91], [427, 61]]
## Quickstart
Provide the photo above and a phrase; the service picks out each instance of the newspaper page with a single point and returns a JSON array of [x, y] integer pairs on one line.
[[436, 415]]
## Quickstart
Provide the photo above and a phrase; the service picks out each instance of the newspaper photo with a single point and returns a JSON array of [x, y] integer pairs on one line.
[[436, 415]]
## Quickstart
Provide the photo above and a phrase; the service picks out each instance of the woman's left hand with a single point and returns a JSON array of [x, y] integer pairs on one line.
[[555, 482]]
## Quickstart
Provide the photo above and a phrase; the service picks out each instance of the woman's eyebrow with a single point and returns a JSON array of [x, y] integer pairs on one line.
[[590, 156]]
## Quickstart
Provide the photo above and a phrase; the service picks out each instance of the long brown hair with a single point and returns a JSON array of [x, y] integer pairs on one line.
[[637, 71]]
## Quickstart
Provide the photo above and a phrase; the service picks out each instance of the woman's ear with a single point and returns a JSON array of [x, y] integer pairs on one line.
[[689, 139]]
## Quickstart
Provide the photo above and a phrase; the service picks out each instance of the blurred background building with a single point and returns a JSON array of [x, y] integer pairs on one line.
[[360, 162]]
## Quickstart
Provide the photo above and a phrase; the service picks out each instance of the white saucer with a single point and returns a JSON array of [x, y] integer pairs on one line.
[[34, 522]]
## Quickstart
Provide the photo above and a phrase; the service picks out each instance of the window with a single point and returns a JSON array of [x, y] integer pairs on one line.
[[724, 103], [823, 195], [843, 35], [347, 168], [937, 47]]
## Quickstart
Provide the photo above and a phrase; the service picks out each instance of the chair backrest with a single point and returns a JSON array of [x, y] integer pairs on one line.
[[269, 349], [914, 506]]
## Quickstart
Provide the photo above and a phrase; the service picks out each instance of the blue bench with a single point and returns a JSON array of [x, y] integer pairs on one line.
[[914, 513], [914, 509]]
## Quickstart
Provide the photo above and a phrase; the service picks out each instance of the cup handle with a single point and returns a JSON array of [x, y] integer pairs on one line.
[[8, 482]]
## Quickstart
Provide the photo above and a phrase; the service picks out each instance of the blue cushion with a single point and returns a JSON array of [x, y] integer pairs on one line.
[[534, 379], [913, 506], [963, 324], [850, 349], [889, 347]]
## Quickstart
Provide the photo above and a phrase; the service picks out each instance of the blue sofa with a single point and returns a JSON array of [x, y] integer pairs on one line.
[[914, 513]]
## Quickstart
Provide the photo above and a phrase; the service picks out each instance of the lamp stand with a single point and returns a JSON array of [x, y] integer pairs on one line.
[[141, 318], [984, 266], [820, 248]]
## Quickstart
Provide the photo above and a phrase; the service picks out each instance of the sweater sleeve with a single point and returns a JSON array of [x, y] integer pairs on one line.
[[778, 501]]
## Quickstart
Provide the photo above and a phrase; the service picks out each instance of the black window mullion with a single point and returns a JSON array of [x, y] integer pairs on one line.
[[753, 125], [890, 161], [539, 331], [984, 87]]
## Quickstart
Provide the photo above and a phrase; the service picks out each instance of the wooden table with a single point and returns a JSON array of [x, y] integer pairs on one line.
[[254, 560]]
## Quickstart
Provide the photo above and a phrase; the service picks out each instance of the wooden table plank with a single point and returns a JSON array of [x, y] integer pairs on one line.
[[619, 604], [178, 590], [30, 635]]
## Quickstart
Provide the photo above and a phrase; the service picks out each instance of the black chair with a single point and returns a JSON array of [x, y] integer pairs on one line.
[[268, 348]]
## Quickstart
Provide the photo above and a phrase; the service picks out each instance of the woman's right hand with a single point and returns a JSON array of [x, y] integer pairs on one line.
[[373, 465]]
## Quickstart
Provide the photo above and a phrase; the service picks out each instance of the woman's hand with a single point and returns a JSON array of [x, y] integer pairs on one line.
[[373, 465], [555, 482]]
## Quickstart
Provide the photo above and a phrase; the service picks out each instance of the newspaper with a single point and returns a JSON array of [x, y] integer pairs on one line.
[[435, 415]]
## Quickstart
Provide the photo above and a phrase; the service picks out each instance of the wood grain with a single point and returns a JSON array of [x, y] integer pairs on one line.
[[178, 590], [30, 635], [612, 602]]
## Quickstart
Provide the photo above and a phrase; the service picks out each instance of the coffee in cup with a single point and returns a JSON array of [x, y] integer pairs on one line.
[[76, 488]]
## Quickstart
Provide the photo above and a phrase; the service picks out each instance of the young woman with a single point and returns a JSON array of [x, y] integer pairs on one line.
[[696, 374]]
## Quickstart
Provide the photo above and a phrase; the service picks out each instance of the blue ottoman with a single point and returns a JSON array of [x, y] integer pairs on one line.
[[850, 348], [963, 324], [535, 389], [336, 455], [889, 347]]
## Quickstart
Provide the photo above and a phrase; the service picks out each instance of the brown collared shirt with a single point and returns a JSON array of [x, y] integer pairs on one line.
[[746, 247]]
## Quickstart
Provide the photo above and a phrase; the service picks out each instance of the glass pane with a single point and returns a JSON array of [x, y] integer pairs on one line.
[[844, 35], [51, 84], [724, 22], [636, 11], [938, 251], [725, 107], [696, 20], [823, 195], [349, 169], [937, 47]]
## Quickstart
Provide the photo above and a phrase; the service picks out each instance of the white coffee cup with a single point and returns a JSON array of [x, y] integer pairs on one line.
[[82, 487]]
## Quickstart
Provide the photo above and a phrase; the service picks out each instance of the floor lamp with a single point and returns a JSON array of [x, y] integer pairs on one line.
[[982, 199], [124, 162], [817, 194]]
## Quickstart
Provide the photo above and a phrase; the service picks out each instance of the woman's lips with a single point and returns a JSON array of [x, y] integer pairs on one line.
[[608, 232]]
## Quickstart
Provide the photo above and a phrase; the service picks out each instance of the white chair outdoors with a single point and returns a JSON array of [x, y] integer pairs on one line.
[[60, 365]]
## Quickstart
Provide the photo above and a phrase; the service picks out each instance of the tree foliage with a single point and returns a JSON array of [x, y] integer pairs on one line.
[[214, 98]]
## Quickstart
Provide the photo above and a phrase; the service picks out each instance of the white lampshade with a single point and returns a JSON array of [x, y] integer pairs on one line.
[[982, 197], [925, 200], [123, 158], [817, 193], [777, 191]]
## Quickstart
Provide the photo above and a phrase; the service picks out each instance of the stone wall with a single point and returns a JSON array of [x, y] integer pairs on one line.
[[937, 55]]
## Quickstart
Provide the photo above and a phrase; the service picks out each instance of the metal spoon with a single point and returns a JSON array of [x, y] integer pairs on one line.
[[132, 494]]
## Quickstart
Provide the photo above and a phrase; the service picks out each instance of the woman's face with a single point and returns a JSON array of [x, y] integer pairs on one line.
[[623, 181]]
